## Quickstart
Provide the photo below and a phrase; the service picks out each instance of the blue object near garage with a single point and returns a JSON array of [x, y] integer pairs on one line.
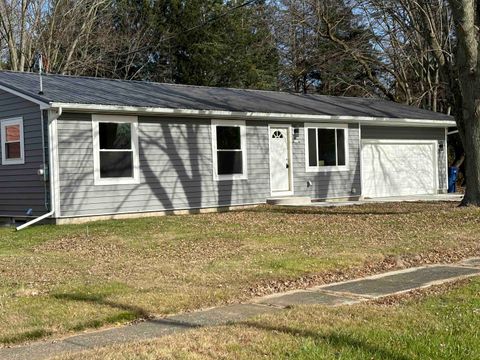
[[452, 179]]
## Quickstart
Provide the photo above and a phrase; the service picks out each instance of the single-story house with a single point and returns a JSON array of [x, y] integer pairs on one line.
[[77, 147]]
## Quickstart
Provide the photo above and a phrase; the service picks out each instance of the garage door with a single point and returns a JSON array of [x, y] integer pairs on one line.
[[399, 168]]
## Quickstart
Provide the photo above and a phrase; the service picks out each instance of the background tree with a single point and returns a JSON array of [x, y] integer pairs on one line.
[[20, 23], [315, 39], [236, 50], [406, 34]]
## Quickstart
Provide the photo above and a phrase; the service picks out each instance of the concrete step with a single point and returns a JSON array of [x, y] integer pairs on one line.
[[290, 200]]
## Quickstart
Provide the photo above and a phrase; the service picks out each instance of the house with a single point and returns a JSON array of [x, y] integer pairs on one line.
[[90, 147]]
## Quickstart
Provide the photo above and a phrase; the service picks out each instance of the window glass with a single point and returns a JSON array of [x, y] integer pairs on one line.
[[12, 151], [116, 155], [326, 147], [116, 164], [230, 162], [228, 138], [312, 147], [12, 143], [12, 133], [341, 147], [115, 136], [229, 151]]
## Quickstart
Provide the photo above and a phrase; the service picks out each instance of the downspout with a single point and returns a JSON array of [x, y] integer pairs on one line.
[[51, 157], [44, 169]]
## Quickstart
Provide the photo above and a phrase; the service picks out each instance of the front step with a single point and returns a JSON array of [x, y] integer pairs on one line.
[[290, 200]]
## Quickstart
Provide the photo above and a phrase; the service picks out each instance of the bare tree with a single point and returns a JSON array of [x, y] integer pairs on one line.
[[20, 21], [70, 35], [416, 45], [316, 40]]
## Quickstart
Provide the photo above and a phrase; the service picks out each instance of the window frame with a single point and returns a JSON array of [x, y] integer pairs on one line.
[[243, 144], [120, 119], [316, 126], [3, 124]]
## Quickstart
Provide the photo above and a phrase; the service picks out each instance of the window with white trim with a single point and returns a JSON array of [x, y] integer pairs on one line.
[[229, 150], [326, 147], [115, 143], [12, 141]]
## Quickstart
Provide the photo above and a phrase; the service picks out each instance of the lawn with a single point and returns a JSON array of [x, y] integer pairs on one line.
[[439, 323], [57, 280]]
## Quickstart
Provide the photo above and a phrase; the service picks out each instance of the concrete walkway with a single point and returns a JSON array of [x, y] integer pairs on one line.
[[343, 293], [307, 201]]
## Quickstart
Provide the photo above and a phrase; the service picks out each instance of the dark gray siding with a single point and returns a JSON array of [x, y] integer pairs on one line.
[[412, 133], [332, 183], [20, 186], [175, 169]]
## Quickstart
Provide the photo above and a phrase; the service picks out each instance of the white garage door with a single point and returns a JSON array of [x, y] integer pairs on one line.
[[399, 168]]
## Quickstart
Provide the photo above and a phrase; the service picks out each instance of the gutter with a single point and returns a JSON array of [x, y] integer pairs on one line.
[[224, 114], [56, 113]]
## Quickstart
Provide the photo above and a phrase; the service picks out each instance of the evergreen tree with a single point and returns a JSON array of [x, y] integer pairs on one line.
[[227, 47]]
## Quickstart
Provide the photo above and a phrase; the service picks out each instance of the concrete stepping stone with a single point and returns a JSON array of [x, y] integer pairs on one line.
[[221, 315], [306, 298], [401, 281]]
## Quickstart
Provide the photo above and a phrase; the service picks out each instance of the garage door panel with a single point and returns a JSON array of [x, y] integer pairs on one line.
[[397, 169]]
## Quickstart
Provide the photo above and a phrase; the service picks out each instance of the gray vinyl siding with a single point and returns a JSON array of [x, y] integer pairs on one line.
[[329, 184], [412, 133], [20, 186], [175, 169]]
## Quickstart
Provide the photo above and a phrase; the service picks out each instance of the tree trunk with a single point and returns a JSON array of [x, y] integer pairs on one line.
[[468, 117], [471, 144]]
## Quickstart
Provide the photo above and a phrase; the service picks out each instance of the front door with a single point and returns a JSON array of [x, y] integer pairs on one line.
[[280, 162]]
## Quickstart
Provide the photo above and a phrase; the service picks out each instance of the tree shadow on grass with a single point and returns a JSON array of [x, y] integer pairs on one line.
[[126, 312], [98, 299], [337, 341], [25, 336]]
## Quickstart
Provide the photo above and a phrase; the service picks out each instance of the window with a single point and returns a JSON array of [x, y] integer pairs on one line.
[[12, 142], [115, 143], [229, 150], [326, 147]]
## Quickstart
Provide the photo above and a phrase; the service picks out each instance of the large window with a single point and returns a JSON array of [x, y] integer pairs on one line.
[[12, 142], [229, 150], [115, 142], [326, 147]]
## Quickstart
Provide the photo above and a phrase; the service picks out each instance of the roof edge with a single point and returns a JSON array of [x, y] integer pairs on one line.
[[44, 104], [250, 115]]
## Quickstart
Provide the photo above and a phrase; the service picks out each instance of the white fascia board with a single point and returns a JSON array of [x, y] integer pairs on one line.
[[43, 105], [251, 115]]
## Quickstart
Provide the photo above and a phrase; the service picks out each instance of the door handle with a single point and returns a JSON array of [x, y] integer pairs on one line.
[[288, 166]]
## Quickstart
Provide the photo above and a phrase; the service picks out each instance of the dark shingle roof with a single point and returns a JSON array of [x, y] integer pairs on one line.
[[87, 90]]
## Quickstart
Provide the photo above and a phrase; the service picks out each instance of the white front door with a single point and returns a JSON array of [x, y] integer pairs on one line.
[[399, 168], [280, 162]]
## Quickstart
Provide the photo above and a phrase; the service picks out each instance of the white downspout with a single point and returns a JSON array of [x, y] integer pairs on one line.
[[52, 143]]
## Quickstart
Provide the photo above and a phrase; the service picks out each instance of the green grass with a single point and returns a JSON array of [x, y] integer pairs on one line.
[[442, 325], [59, 279]]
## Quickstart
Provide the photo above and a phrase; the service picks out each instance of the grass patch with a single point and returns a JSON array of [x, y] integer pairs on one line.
[[439, 326], [58, 279]]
